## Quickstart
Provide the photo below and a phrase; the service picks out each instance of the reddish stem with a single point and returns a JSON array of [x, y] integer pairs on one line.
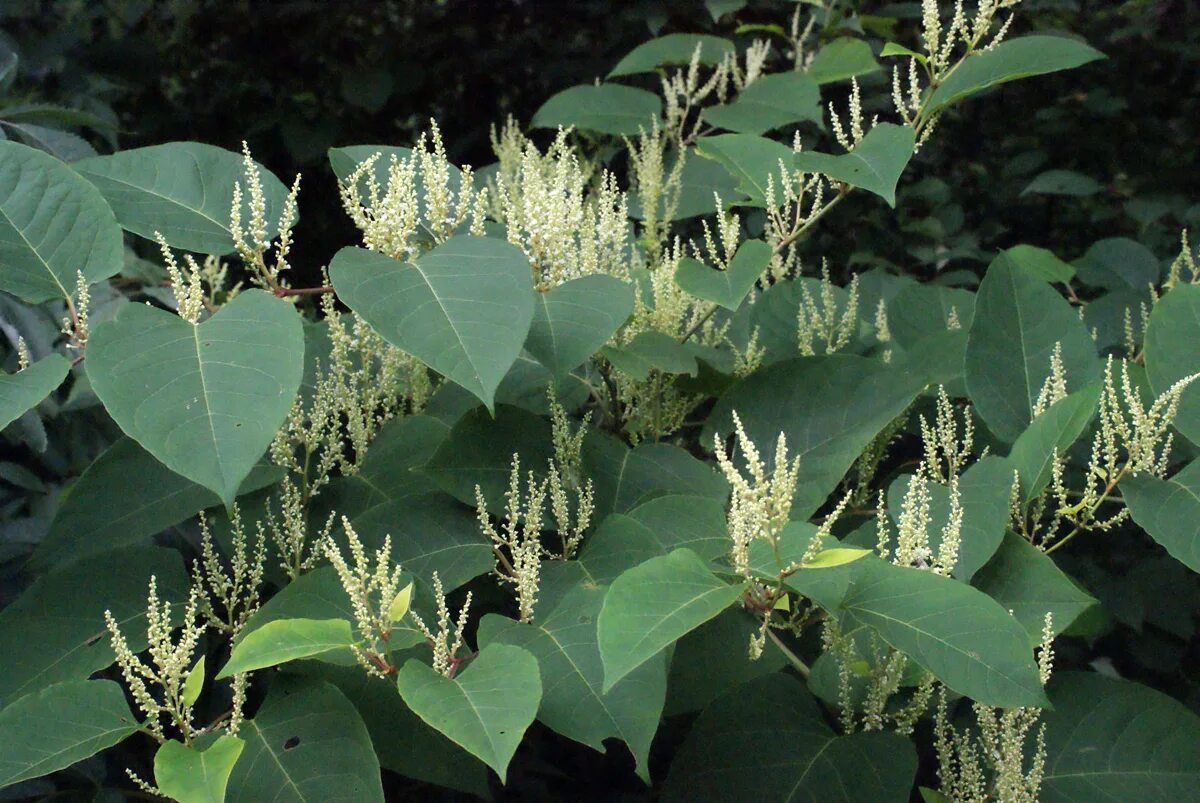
[[281, 292]]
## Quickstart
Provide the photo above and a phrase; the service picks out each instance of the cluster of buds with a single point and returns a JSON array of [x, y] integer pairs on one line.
[[448, 639], [823, 326], [230, 596], [250, 236]]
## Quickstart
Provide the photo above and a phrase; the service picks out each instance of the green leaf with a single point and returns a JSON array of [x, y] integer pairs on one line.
[[286, 640], [894, 49], [183, 190], [316, 594], [344, 161], [1112, 741], [1025, 581], [306, 743], [463, 308], [672, 50], [921, 310], [564, 642], [479, 452], [191, 775], [874, 165], [53, 223], [625, 478], [152, 496], [1018, 320], [727, 288], [829, 407], [835, 556], [54, 728], [1118, 263], [771, 102], [485, 708], [206, 400], [652, 605], [1169, 510], [795, 755], [841, 59], [750, 159], [1008, 61], [1041, 263], [651, 351], [980, 651], [24, 390], [573, 320], [1173, 352], [699, 180], [1055, 430], [65, 608], [193, 684], [1063, 182], [604, 109]]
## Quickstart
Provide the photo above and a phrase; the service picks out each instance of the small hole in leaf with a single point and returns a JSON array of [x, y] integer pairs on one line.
[[292, 742], [237, 425], [583, 620]]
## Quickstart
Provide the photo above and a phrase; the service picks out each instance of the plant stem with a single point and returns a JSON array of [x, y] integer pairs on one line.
[[801, 667]]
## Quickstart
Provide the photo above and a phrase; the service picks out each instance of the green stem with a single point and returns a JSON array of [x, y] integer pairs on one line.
[[801, 667]]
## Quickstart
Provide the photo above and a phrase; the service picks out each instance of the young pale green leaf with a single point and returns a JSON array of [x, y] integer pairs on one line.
[[485, 708], [183, 191], [65, 608], [53, 224], [206, 400], [652, 605], [54, 728], [195, 775], [1041, 263], [772, 101], [894, 49], [23, 390], [573, 320], [564, 642], [651, 351], [605, 109], [153, 498], [400, 605], [751, 160], [1113, 741], [1169, 510], [1024, 580], [306, 743], [193, 684], [727, 288], [841, 59], [1008, 61], [835, 556], [1173, 352], [463, 308], [1018, 321], [672, 50], [795, 756], [1051, 433], [874, 165], [980, 651], [284, 640]]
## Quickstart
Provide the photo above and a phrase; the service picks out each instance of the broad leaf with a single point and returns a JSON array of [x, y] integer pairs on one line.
[[195, 775], [316, 594], [651, 351], [1173, 352], [564, 642], [573, 320], [183, 191], [1025, 581], [1052, 432], [1018, 320], [51, 729], [306, 743], [954, 631], [1008, 61], [652, 605], [795, 755], [463, 308], [206, 400], [699, 181], [672, 50], [625, 478], [874, 165], [53, 224], [772, 101], [1062, 182], [1118, 263], [751, 160], [1041, 263], [284, 640], [604, 109], [727, 288], [843, 58], [65, 608], [1169, 510], [1113, 741], [25, 389], [485, 708]]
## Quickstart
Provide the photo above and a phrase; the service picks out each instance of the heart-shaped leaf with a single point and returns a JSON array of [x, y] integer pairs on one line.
[[573, 320], [874, 165], [191, 775], [284, 640], [844, 57], [752, 160], [485, 708], [770, 102], [19, 392], [726, 288], [1169, 510], [53, 224], [604, 108], [463, 308], [672, 50], [204, 399]]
